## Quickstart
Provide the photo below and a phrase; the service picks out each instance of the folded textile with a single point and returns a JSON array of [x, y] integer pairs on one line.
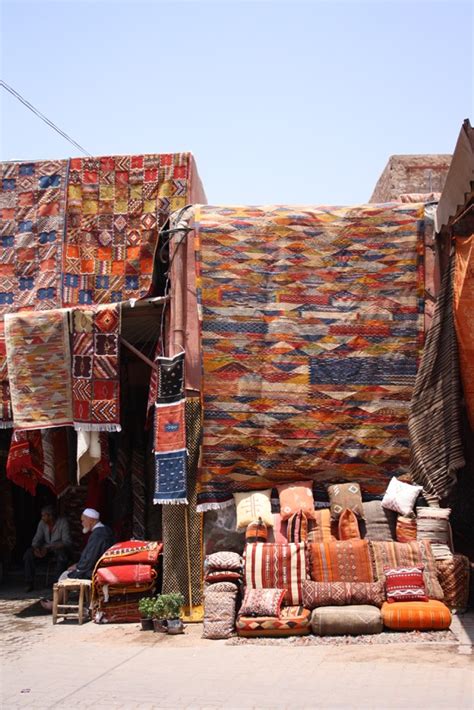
[[39, 368], [132, 552], [121, 608], [435, 408], [223, 561], [25, 459], [126, 575]]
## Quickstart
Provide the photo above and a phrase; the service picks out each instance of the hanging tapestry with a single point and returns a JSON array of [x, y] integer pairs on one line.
[[464, 317], [435, 409], [24, 463], [116, 206], [96, 368], [170, 431], [182, 525], [55, 460], [6, 416], [312, 328], [39, 368], [32, 208]]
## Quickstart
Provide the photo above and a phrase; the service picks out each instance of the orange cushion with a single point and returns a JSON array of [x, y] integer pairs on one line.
[[322, 528], [295, 497], [348, 525], [423, 616], [340, 561]]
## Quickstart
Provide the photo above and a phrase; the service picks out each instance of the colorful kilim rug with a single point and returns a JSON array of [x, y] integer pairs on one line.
[[182, 525], [435, 409], [24, 463], [312, 329], [39, 367], [464, 317], [32, 207], [116, 206], [96, 368], [170, 431], [6, 415]]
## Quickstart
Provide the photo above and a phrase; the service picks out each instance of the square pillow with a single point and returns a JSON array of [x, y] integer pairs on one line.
[[401, 497], [272, 566], [345, 495], [295, 497], [389, 555], [262, 602], [433, 524], [405, 584], [253, 505], [340, 561], [348, 526], [228, 561], [379, 522]]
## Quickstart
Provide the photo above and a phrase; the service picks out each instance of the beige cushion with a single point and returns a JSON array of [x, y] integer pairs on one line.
[[342, 620], [253, 505]]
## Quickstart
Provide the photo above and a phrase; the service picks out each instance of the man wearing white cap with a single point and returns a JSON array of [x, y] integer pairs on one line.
[[100, 539]]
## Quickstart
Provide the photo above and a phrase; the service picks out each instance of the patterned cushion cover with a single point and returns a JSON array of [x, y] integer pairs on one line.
[[223, 561], [433, 525], [340, 561], [407, 554], [222, 576], [348, 526], [293, 621], [219, 614], [345, 495], [222, 587], [322, 527], [256, 532], [272, 566], [252, 506], [262, 602], [295, 497], [297, 527], [405, 584], [343, 620], [406, 529], [453, 575], [409, 616], [401, 497], [342, 593], [379, 522], [280, 530]]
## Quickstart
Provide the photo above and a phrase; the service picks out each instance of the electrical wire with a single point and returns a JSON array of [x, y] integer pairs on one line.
[[46, 120]]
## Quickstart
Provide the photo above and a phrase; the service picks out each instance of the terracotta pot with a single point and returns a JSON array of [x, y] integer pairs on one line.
[[160, 626], [147, 624]]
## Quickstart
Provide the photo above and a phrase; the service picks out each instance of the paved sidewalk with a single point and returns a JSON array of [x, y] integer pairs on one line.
[[119, 666]]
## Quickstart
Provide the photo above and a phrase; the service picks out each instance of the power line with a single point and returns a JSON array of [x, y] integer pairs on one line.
[[43, 117]]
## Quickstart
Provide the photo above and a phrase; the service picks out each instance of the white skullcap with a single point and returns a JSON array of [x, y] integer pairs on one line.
[[91, 513]]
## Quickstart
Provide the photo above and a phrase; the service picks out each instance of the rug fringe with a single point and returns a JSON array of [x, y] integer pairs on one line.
[[6, 425], [205, 507], [97, 427], [171, 501]]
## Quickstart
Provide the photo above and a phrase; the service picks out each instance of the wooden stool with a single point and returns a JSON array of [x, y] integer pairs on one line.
[[66, 610]]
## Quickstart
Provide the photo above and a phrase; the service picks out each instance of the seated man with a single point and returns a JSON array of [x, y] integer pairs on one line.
[[52, 540], [100, 539]]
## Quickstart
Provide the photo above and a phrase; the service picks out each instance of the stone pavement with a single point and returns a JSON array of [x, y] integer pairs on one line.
[[119, 666]]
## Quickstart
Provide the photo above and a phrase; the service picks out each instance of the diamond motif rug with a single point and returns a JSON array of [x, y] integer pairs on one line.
[[116, 206], [96, 368], [39, 367], [312, 329]]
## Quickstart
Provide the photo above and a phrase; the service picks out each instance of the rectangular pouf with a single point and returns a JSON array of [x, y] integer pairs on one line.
[[344, 620], [421, 616], [293, 621]]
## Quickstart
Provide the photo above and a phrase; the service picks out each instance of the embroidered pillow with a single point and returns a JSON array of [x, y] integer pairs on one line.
[[405, 584], [401, 497], [252, 506], [256, 532], [272, 566], [340, 561], [297, 528], [379, 522], [295, 497], [222, 587], [406, 529], [389, 555], [223, 561], [341, 593], [219, 614], [321, 531], [348, 526], [345, 495], [262, 602], [222, 576]]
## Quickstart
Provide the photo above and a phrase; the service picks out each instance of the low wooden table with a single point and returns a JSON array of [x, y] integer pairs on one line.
[[63, 608]]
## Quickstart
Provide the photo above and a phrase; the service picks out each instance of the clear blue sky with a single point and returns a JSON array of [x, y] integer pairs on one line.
[[282, 102]]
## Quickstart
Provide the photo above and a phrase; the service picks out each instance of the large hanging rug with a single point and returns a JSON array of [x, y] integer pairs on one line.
[[312, 328]]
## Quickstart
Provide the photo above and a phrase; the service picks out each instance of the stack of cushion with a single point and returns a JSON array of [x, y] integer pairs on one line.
[[223, 577]]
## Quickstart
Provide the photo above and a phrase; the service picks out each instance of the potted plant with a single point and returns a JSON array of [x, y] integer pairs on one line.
[[159, 614], [145, 607], [173, 604]]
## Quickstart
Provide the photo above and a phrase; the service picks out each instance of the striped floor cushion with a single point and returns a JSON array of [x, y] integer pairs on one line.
[[453, 575], [345, 620], [293, 621], [411, 616], [274, 566], [340, 561]]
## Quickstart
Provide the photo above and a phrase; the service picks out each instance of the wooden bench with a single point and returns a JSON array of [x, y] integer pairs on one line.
[[62, 607]]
